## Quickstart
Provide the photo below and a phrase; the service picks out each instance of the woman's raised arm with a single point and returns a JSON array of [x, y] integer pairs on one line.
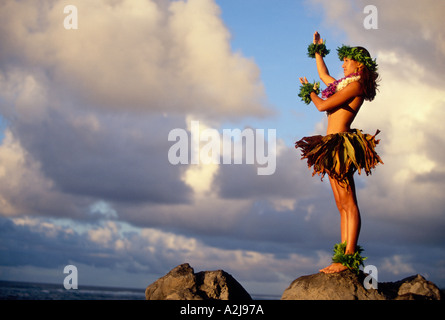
[[323, 71]]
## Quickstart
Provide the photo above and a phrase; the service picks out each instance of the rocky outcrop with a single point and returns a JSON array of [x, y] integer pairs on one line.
[[412, 288], [349, 286], [181, 283]]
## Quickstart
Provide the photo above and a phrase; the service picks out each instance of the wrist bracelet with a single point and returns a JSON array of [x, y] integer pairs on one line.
[[317, 48], [306, 90]]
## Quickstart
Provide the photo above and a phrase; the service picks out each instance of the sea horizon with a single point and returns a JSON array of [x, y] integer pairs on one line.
[[23, 290]]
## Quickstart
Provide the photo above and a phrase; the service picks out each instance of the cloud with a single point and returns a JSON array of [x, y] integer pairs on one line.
[[155, 56], [23, 187], [68, 160], [397, 265], [411, 35], [143, 251], [91, 108], [88, 113]]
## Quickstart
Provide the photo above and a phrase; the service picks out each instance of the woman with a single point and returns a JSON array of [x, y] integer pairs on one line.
[[342, 151]]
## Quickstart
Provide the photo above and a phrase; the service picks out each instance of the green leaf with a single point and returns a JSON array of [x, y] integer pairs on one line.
[[317, 48], [351, 261], [306, 90]]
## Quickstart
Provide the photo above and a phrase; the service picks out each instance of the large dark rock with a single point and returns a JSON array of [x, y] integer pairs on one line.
[[412, 288], [347, 285], [182, 283]]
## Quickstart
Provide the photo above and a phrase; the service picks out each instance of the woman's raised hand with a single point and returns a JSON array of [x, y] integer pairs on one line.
[[317, 39]]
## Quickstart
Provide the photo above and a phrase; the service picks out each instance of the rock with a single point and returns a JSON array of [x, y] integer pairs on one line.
[[181, 283], [347, 285], [412, 288]]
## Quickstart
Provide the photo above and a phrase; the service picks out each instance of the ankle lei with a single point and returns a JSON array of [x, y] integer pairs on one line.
[[351, 261], [339, 84]]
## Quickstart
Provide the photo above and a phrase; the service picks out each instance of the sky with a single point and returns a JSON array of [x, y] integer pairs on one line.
[[86, 113]]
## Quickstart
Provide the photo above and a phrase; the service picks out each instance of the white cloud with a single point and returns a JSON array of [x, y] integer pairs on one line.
[[199, 176], [23, 189], [156, 56], [104, 235], [72, 98], [398, 264], [149, 252], [103, 209]]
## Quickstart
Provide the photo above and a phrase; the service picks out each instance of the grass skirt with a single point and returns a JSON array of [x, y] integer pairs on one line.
[[340, 154]]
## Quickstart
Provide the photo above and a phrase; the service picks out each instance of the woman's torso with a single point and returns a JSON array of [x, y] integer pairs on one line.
[[341, 118]]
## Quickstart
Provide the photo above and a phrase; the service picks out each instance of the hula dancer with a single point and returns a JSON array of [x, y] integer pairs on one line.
[[343, 150]]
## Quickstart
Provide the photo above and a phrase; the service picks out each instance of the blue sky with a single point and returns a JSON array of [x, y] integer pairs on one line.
[[84, 173], [279, 48], [276, 37]]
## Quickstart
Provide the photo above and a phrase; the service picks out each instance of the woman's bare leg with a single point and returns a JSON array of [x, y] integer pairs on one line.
[[350, 221], [343, 214]]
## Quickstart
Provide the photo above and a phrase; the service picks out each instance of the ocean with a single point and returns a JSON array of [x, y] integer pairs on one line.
[[11, 290]]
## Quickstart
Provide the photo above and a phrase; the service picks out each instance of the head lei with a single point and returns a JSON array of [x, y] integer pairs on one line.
[[357, 54]]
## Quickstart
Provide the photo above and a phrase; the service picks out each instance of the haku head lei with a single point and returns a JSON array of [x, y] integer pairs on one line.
[[357, 54]]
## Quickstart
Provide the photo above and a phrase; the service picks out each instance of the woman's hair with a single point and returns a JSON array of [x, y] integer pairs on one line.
[[368, 79]]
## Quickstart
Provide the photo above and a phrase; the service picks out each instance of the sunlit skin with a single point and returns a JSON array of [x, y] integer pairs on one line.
[[341, 108]]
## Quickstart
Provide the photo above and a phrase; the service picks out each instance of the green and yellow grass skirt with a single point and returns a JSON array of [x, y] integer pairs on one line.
[[340, 154]]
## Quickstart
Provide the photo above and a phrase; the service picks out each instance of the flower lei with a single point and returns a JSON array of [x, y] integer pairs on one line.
[[339, 84], [351, 261], [357, 55], [306, 90]]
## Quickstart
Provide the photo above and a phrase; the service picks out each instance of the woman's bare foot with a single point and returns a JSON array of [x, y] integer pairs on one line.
[[334, 268]]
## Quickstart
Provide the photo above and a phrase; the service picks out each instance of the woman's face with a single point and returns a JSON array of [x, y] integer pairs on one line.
[[350, 66]]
